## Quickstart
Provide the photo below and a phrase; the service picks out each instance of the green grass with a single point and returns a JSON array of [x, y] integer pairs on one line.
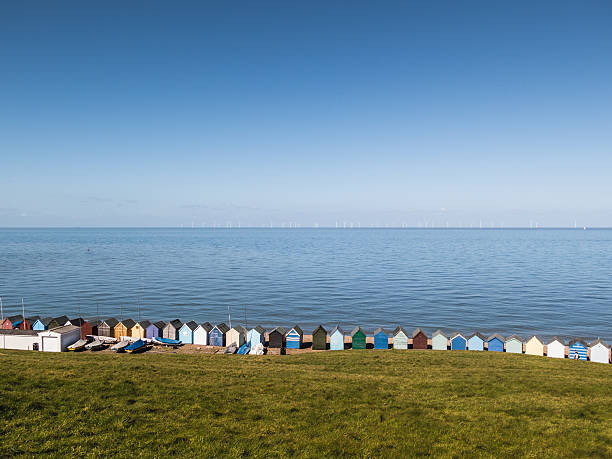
[[366, 403]]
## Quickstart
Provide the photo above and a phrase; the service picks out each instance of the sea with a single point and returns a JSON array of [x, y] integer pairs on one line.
[[508, 281]]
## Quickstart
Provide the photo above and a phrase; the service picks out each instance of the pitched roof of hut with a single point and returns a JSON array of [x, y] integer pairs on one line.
[[398, 329], [239, 329], [32, 319], [61, 319], [498, 336], [516, 337], [536, 337], [478, 334], [297, 329], [78, 321], [259, 329], [380, 329], [144, 323], [577, 340], [439, 332], [457, 333], [159, 324], [337, 329], [128, 323], [358, 329], [280, 330], [14, 318], [17, 331], [417, 331], [317, 329], [176, 323], [556, 338], [111, 322], [45, 320], [222, 327], [599, 341], [191, 325], [64, 329], [206, 326]]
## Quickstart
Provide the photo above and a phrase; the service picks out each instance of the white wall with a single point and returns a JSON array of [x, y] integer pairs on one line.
[[600, 354], [19, 342]]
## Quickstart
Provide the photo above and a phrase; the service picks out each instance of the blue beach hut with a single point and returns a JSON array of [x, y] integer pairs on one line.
[[155, 330], [256, 335], [458, 342], [577, 350], [216, 337], [476, 342], [293, 338], [186, 332], [495, 343], [336, 339], [42, 324], [381, 339]]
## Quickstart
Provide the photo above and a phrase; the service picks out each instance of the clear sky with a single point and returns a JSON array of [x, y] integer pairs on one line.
[[167, 113]]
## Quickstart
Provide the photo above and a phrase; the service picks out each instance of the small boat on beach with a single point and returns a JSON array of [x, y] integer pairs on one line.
[[231, 349], [78, 346], [244, 349], [167, 341], [136, 346], [95, 345], [120, 346]]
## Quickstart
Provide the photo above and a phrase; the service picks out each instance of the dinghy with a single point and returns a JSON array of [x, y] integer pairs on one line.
[[244, 349], [78, 346], [167, 341], [138, 345], [231, 349], [120, 346], [95, 345], [257, 350]]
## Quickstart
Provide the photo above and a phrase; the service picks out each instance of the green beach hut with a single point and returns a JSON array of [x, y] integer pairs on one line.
[[358, 338]]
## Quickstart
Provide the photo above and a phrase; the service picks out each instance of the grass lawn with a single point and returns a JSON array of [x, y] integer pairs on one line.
[[366, 403]]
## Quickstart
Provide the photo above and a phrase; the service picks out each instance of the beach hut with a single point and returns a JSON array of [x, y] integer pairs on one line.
[[124, 328], [534, 346], [458, 342], [514, 344], [495, 343], [578, 349], [358, 338], [107, 327], [381, 339], [319, 339], [24, 340], [41, 324], [294, 338], [419, 339], [600, 351], [86, 327], [59, 338], [236, 335], [276, 338], [439, 341], [139, 330], [216, 337], [12, 322], [171, 329], [476, 342], [336, 339], [400, 338], [58, 322], [256, 335], [555, 348], [155, 330], [200, 334], [186, 332]]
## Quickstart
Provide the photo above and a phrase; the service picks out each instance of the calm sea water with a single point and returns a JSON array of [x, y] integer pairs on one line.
[[507, 281]]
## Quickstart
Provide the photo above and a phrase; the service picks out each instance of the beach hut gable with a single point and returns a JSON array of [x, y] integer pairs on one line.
[[534, 346], [555, 348], [11, 322], [458, 342], [124, 328], [358, 338], [41, 324], [155, 330], [400, 338], [186, 332], [171, 330], [236, 335], [514, 344], [294, 338], [495, 343], [439, 341], [600, 351], [200, 334], [216, 337], [107, 327], [381, 339], [319, 339], [336, 339], [578, 349], [419, 339], [276, 338], [476, 342], [256, 335]]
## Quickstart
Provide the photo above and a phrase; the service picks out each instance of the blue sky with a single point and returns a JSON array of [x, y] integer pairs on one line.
[[162, 114]]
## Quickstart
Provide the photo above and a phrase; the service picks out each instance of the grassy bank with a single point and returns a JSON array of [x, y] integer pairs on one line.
[[390, 403]]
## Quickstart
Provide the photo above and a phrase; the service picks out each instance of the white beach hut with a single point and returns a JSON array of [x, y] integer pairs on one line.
[[600, 351], [514, 344], [556, 348], [58, 339], [200, 334], [534, 346], [439, 341]]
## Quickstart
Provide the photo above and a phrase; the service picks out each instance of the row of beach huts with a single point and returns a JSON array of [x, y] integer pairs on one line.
[[56, 334]]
